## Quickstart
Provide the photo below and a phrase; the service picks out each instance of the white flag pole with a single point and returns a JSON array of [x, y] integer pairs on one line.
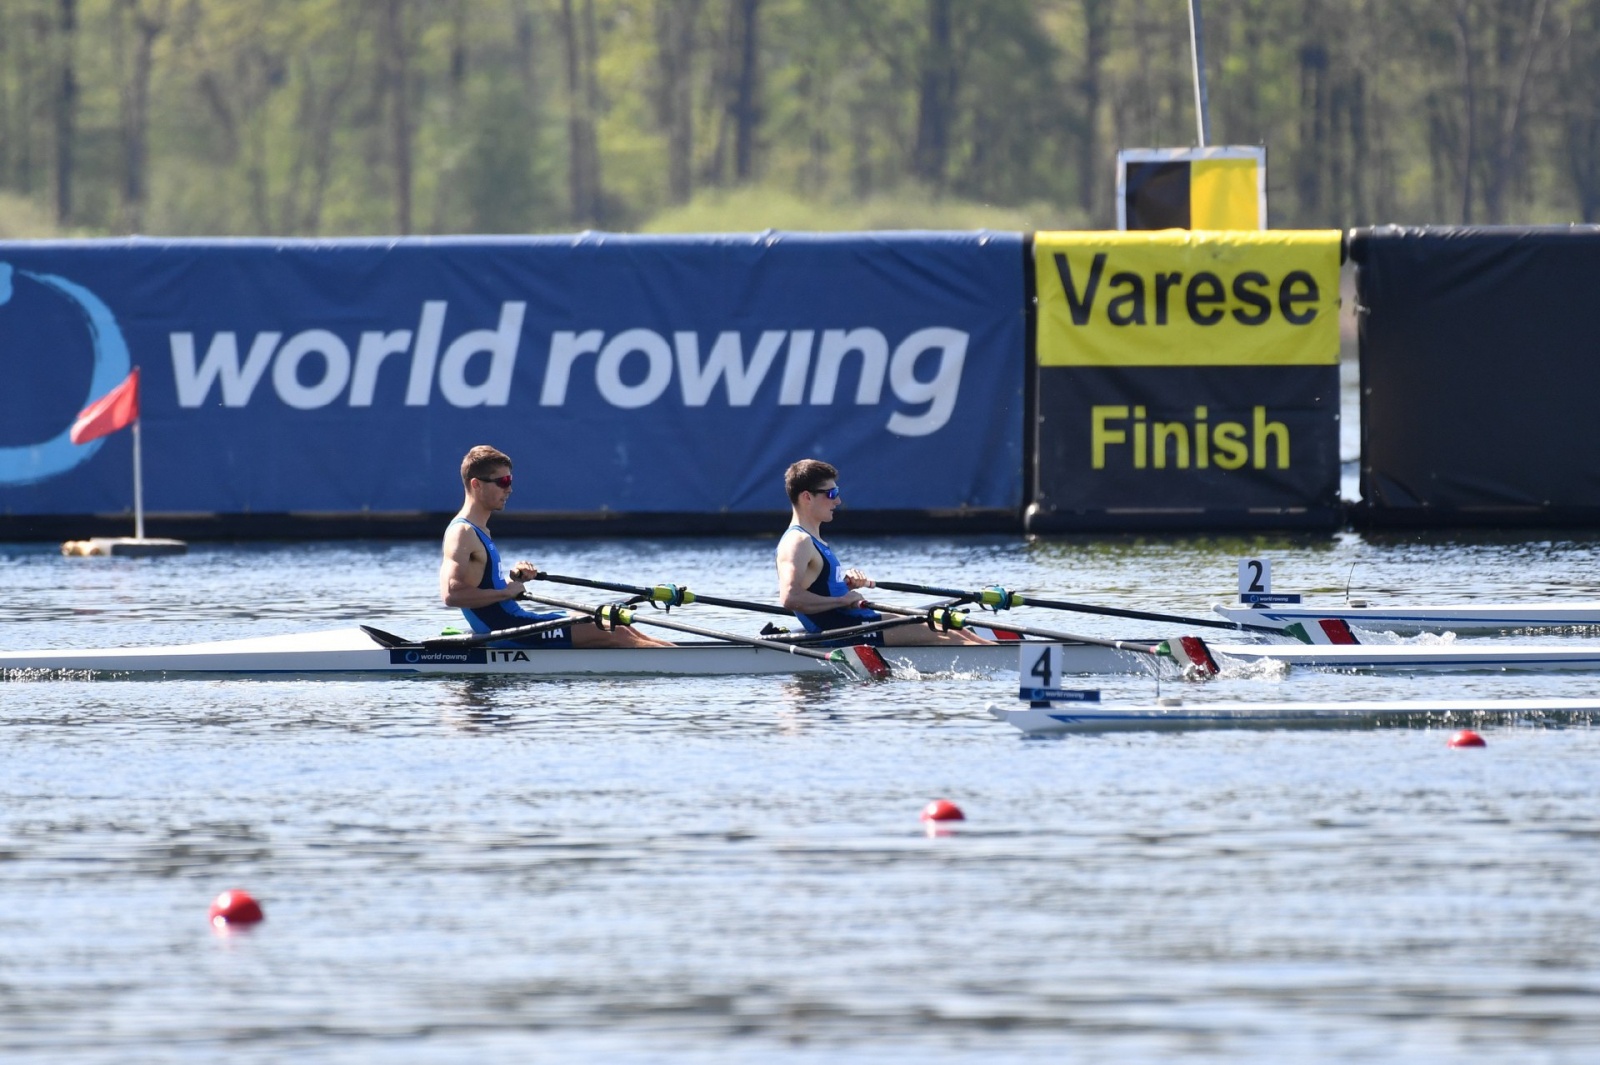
[[138, 487], [1202, 124]]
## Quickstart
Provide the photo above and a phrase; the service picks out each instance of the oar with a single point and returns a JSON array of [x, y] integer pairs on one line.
[[475, 639], [860, 661], [1191, 651], [807, 636], [1000, 599], [669, 595]]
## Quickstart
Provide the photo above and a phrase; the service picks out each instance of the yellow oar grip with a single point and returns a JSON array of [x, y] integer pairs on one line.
[[999, 598], [945, 618]]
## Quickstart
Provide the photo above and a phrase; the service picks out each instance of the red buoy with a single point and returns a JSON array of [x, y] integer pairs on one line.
[[942, 810], [235, 908], [1467, 738]]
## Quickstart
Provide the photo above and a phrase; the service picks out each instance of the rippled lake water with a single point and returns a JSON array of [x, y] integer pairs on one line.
[[732, 869]]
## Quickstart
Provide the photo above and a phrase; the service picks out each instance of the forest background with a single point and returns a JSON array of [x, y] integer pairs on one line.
[[393, 117]]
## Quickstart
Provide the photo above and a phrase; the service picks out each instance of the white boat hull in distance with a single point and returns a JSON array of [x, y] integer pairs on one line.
[[352, 651], [1409, 620], [1493, 656], [1089, 717]]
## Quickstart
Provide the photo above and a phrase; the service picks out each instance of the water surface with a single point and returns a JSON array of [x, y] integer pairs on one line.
[[731, 869]]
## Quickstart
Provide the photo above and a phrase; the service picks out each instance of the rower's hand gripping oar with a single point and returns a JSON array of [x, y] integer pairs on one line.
[[997, 599], [859, 661], [1190, 653]]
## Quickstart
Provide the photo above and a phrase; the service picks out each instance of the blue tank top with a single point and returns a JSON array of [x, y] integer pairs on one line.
[[495, 616], [831, 582]]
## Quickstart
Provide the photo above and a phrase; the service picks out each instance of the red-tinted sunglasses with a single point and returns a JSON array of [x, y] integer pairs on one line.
[[503, 482]]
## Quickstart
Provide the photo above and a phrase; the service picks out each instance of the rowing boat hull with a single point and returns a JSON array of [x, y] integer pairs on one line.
[[351, 651], [1092, 717], [1464, 618], [1491, 656]]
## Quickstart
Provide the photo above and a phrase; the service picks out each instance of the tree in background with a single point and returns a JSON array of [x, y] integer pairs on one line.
[[1577, 48], [66, 105], [676, 52], [398, 116], [137, 26]]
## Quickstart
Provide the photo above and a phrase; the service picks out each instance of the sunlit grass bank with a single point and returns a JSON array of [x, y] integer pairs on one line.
[[755, 209]]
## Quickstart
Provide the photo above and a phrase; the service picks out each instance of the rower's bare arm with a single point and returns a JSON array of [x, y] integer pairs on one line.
[[798, 565], [462, 569]]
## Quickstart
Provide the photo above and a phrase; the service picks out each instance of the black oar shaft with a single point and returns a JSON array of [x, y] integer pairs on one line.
[[924, 589], [1146, 615], [1083, 608], [1160, 650], [476, 639], [531, 629], [805, 636], [648, 593], [639, 618]]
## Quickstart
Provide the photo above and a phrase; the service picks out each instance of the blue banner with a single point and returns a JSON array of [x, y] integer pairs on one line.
[[623, 374]]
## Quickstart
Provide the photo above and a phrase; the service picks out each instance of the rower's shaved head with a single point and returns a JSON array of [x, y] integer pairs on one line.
[[482, 461], [807, 475]]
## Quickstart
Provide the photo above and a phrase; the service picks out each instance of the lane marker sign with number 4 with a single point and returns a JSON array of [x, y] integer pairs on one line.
[[1039, 664]]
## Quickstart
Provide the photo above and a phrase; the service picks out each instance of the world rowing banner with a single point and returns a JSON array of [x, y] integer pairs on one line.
[[626, 375], [1186, 379]]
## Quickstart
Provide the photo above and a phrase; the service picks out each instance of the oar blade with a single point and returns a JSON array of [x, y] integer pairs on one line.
[[1193, 656], [862, 661]]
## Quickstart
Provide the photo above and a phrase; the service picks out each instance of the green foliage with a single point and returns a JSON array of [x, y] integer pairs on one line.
[[375, 117], [22, 218], [748, 210], [506, 180]]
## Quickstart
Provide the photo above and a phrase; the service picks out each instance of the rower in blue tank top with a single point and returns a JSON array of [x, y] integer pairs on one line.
[[830, 582], [509, 613], [812, 581], [471, 577]]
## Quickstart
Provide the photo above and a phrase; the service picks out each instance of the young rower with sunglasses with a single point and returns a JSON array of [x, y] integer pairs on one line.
[[812, 581], [470, 576]]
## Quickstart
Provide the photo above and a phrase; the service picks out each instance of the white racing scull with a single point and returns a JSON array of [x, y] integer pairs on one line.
[[353, 650], [1091, 716], [1409, 620]]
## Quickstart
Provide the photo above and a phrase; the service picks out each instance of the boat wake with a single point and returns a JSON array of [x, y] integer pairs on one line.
[[36, 675], [1385, 638], [1251, 669], [907, 671]]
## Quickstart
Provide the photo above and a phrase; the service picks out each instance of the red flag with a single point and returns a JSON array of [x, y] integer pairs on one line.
[[115, 410]]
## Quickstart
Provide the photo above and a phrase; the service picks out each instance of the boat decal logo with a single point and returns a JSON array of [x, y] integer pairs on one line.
[[31, 463], [416, 656]]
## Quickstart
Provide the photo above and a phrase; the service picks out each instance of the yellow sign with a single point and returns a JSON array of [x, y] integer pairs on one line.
[[1228, 445], [1220, 187], [1176, 297], [1224, 194]]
